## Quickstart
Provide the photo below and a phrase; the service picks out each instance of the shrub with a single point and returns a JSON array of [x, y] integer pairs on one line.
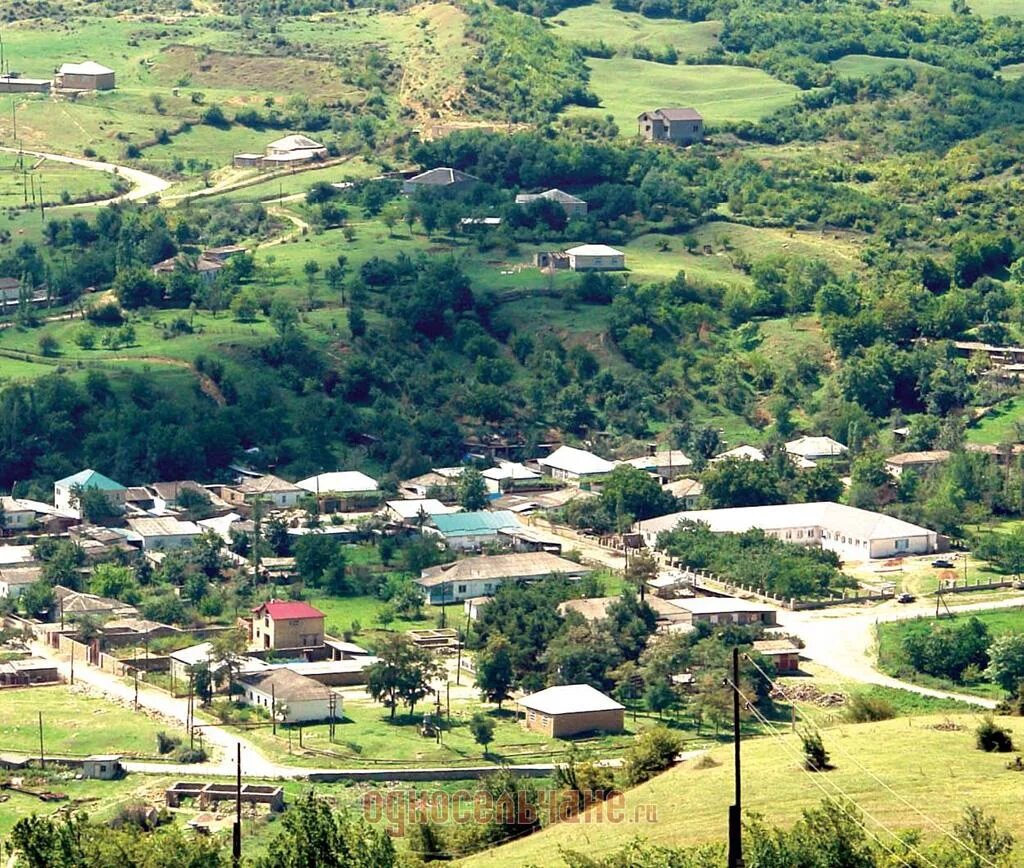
[[166, 743], [991, 737], [190, 755], [652, 752], [861, 708], [105, 314], [816, 758]]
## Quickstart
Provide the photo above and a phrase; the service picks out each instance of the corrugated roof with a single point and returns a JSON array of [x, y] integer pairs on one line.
[[526, 565], [287, 686], [339, 482], [569, 699], [815, 447], [933, 456], [441, 176], [288, 610], [88, 67], [410, 509], [165, 525], [474, 523], [90, 479], [577, 461], [266, 484], [594, 250], [294, 143], [677, 114]]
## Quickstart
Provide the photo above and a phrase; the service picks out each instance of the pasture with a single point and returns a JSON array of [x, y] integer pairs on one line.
[[856, 65], [622, 30], [999, 424], [984, 8], [722, 94]]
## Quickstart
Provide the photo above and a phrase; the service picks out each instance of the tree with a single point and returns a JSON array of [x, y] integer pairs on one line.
[[629, 490], [95, 505], [110, 580], [472, 490], [227, 649], [1006, 661], [402, 674], [494, 673], [816, 758], [206, 554], [284, 315], [315, 836], [138, 287], [641, 569], [482, 728], [195, 502], [742, 482], [37, 599], [659, 696], [48, 344], [653, 751]]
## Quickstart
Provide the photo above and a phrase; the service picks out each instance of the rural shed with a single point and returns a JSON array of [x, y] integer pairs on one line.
[[595, 257], [560, 712], [88, 75]]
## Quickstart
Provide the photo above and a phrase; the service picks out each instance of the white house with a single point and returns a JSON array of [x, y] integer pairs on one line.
[[747, 453], [17, 515], [165, 533], [466, 531], [918, 462], [508, 471], [481, 577], [815, 448], [416, 510], [573, 206], [689, 491], [340, 482], [595, 257], [667, 464], [65, 490], [14, 580], [295, 698], [269, 489], [853, 534], [575, 465]]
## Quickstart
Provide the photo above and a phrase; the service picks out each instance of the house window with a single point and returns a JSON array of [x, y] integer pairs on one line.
[[902, 544], [789, 534], [533, 715], [799, 534], [545, 720], [488, 587]]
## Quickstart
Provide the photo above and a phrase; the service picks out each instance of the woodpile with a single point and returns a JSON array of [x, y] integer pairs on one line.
[[809, 694]]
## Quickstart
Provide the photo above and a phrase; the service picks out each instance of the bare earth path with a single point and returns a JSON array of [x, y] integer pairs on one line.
[[143, 184]]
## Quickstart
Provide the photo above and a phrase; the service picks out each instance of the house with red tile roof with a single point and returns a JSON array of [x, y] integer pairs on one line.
[[287, 624]]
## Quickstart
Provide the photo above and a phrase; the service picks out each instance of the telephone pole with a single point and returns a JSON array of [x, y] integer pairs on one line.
[[236, 837], [735, 825]]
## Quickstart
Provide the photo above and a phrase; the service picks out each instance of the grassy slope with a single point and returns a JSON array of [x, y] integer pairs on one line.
[[627, 87], [985, 8], [998, 425], [867, 64], [940, 771], [622, 30], [891, 657]]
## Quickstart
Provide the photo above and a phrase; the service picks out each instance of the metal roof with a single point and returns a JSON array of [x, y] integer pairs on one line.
[[569, 699], [474, 523]]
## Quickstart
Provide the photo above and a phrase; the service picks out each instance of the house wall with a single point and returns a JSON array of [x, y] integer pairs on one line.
[[471, 543], [597, 263], [62, 498], [563, 725], [23, 85], [168, 542], [768, 619], [685, 131], [294, 633], [87, 82], [298, 712], [18, 519]]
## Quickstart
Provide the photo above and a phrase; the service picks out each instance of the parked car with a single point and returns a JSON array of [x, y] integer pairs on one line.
[[942, 564], [906, 598]]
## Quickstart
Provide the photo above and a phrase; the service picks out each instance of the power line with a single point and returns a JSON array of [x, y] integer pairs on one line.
[[816, 780], [934, 823]]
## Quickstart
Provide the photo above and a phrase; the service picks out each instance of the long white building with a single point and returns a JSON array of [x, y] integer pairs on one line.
[[853, 534]]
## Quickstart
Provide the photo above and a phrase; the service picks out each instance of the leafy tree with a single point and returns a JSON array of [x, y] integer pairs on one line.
[[37, 598], [1006, 661], [95, 505], [494, 674], [472, 489], [482, 728], [816, 758], [741, 482], [195, 502], [227, 650], [653, 751], [313, 835], [403, 673], [206, 554], [641, 568], [628, 489], [110, 580], [137, 287]]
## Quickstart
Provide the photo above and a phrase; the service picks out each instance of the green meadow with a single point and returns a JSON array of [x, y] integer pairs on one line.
[[868, 64], [622, 30]]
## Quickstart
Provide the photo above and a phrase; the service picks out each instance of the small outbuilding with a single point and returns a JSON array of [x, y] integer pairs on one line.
[[87, 75], [571, 709], [102, 767], [782, 652]]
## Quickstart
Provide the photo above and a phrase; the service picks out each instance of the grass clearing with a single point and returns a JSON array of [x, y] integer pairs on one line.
[[622, 30], [1011, 72], [722, 94], [984, 8], [50, 180], [939, 770], [858, 65], [999, 424], [74, 723]]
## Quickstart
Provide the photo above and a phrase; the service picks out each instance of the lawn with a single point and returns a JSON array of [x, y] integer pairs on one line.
[[857, 65], [73, 723], [341, 612], [999, 424], [722, 94], [939, 772], [622, 30], [892, 659]]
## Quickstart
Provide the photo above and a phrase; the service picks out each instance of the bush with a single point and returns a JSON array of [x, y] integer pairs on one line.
[[190, 755], [991, 737], [652, 752], [816, 758], [166, 743], [861, 708]]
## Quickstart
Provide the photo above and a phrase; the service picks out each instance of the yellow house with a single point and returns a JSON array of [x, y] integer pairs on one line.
[[285, 624]]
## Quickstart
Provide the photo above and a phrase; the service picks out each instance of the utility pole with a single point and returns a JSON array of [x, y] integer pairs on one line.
[[735, 826], [273, 710], [190, 714], [42, 754], [72, 662], [236, 837], [135, 674], [444, 607]]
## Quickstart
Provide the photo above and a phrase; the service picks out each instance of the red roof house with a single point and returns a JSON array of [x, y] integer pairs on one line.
[[287, 624]]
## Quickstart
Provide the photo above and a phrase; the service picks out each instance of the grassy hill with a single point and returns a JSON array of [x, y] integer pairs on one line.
[[939, 771], [869, 64], [623, 30]]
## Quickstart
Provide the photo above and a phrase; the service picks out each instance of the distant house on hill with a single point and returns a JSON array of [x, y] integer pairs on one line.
[[65, 491], [743, 453], [917, 462], [576, 465], [680, 126], [569, 709], [572, 205], [439, 178], [207, 267], [815, 448], [288, 151], [595, 257], [88, 75]]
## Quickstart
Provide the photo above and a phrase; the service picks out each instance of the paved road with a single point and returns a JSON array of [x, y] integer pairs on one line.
[[143, 184], [843, 639]]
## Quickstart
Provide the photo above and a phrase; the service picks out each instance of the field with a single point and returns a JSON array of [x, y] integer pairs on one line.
[[622, 30], [869, 64], [892, 659], [984, 8], [722, 94], [689, 805], [49, 180], [999, 424], [1012, 71], [73, 723]]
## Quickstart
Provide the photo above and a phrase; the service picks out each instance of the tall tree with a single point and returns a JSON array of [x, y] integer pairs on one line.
[[402, 674], [494, 673]]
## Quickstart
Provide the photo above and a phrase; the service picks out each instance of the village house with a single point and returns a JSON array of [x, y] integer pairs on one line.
[[15, 515], [782, 652], [725, 610], [206, 267], [482, 576], [571, 709], [71, 602], [102, 767], [666, 464], [184, 661], [164, 496], [507, 474], [576, 465], [87, 75], [814, 449], [290, 697], [288, 151], [441, 178], [596, 609], [416, 512], [268, 489], [468, 531], [331, 673], [572, 205], [14, 580], [65, 491], [14, 82], [918, 462], [341, 490], [421, 486], [164, 533], [680, 126], [744, 452], [281, 624], [28, 670], [853, 534], [595, 257], [687, 491]]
